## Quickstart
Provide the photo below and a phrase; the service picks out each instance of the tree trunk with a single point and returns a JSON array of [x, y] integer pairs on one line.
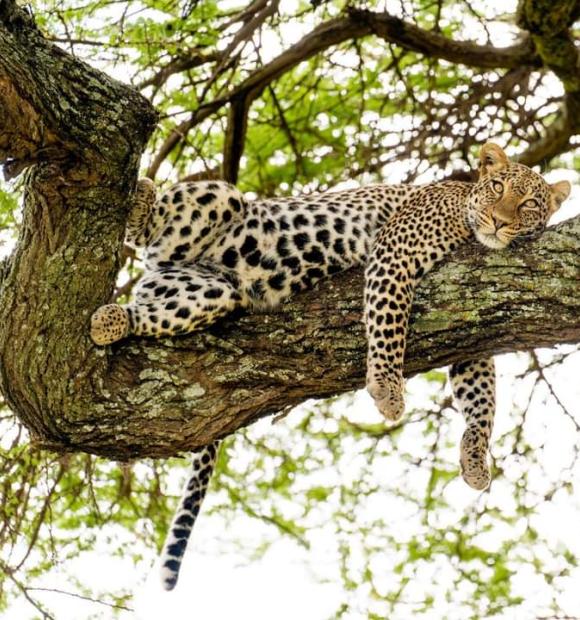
[[82, 134]]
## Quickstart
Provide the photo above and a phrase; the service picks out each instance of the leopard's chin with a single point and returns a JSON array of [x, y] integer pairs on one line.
[[491, 240]]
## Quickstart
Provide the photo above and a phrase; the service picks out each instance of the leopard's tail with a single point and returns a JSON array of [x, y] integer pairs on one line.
[[202, 464]]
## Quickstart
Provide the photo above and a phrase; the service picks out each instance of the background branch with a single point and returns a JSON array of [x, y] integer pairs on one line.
[[355, 24]]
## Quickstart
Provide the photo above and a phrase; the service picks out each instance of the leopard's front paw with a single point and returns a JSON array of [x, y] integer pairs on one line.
[[388, 396], [108, 324], [473, 459]]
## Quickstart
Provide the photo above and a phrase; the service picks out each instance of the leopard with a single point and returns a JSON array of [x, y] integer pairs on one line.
[[208, 251]]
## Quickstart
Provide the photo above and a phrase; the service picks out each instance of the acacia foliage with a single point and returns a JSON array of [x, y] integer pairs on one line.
[[284, 96], [288, 97]]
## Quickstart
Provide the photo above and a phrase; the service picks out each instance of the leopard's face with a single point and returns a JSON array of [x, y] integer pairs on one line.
[[515, 202], [510, 201]]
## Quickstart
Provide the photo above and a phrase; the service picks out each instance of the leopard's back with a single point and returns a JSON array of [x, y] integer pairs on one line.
[[272, 248]]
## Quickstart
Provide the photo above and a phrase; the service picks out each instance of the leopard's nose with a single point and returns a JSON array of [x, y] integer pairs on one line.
[[497, 222]]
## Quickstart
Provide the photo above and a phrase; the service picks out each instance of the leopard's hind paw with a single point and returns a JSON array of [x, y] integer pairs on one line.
[[108, 324], [388, 397]]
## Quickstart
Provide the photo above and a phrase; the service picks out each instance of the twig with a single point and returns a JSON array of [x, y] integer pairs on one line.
[[540, 370], [8, 571], [81, 596]]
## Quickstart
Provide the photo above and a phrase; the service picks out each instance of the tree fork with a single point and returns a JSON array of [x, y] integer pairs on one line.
[[82, 134]]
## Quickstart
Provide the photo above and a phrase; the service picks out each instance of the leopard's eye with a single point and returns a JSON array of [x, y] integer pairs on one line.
[[529, 204], [497, 187]]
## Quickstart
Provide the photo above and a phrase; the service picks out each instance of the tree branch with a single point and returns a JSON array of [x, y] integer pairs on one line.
[[548, 24], [356, 24], [163, 396], [51, 101], [433, 45], [187, 60], [82, 133], [235, 137]]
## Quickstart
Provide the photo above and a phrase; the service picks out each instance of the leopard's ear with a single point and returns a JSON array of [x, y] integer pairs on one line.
[[492, 159], [560, 191]]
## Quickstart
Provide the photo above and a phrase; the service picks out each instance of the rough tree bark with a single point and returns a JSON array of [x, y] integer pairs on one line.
[[81, 135]]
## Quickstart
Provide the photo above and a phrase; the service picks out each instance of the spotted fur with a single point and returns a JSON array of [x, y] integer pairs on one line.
[[473, 386], [207, 251]]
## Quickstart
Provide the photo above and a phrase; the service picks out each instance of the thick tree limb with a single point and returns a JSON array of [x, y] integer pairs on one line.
[[48, 113], [83, 134], [158, 397]]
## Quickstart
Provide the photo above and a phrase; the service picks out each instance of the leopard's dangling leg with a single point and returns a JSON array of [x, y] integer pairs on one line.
[[387, 304], [402, 254], [202, 465], [473, 386]]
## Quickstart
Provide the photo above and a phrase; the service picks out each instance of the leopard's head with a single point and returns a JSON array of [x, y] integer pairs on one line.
[[510, 200]]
